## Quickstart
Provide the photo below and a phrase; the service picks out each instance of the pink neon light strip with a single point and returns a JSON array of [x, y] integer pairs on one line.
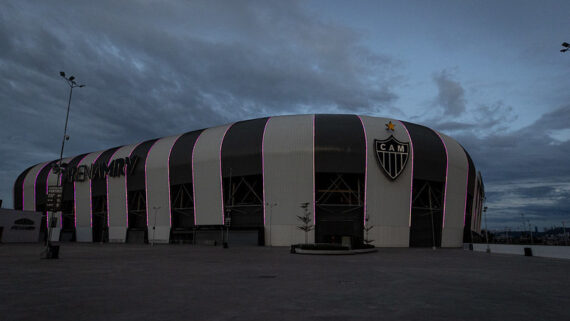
[[193, 174], [107, 183], [126, 187], [412, 176], [75, 198], [36, 181], [221, 179], [168, 175], [263, 167], [146, 181], [314, 181], [446, 175], [466, 190], [365, 167], [91, 195]]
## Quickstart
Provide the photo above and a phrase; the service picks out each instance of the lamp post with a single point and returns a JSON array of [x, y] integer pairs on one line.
[[565, 235], [72, 84], [271, 206], [486, 230]]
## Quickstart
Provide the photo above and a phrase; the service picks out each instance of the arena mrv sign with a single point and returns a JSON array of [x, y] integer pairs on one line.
[[392, 156], [118, 167]]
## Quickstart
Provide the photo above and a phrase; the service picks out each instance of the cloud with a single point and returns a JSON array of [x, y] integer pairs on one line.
[[450, 96], [525, 171], [154, 70]]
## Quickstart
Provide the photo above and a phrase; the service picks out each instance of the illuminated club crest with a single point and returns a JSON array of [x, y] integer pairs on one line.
[[392, 156]]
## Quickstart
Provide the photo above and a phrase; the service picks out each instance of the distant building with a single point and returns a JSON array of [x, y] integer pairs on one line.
[[416, 186]]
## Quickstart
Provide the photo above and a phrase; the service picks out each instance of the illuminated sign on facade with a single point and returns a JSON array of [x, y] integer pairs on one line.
[[118, 167], [392, 156]]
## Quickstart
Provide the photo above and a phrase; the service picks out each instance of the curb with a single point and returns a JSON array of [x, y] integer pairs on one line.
[[332, 252]]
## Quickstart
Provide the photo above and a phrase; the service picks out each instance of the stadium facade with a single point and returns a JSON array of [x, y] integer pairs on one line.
[[412, 185]]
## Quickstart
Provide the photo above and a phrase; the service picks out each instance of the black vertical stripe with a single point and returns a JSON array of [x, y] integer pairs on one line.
[[241, 148], [429, 153], [472, 174], [180, 162], [472, 177], [339, 144], [18, 189], [99, 184], [136, 175], [68, 185]]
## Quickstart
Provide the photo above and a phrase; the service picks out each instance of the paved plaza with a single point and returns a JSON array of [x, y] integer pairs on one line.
[[184, 282]]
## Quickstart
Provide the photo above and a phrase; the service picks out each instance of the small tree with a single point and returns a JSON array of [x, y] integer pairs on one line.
[[306, 220], [367, 228]]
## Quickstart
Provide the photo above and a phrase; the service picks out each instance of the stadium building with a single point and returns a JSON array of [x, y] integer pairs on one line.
[[412, 185]]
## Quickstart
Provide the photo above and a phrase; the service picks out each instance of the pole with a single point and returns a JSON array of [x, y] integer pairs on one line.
[[155, 208], [565, 236], [72, 84], [530, 231], [486, 230]]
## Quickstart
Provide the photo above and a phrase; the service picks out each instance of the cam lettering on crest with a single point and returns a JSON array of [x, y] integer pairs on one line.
[[392, 156]]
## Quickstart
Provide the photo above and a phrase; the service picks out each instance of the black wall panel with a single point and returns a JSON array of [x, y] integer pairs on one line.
[[472, 174], [430, 160], [136, 176], [339, 144], [68, 186], [99, 185], [181, 158], [470, 201], [241, 148], [18, 189]]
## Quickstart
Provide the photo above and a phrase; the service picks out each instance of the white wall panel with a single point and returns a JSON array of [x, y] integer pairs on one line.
[[83, 202], [207, 176], [158, 190], [30, 187], [387, 200], [288, 172], [457, 171], [52, 181], [117, 199]]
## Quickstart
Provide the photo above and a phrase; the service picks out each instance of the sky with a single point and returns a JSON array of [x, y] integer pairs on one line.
[[488, 73]]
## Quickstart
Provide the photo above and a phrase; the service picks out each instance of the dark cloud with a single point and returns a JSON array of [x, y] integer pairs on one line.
[[451, 95], [526, 171], [154, 70]]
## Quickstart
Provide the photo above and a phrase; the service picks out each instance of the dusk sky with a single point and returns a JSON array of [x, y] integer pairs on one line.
[[488, 73]]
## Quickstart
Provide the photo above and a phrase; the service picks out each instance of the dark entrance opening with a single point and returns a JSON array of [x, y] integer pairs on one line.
[[182, 206], [137, 228], [427, 214], [99, 228], [67, 233], [340, 208], [243, 205]]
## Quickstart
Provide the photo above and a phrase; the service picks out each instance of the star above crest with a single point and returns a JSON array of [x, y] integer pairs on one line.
[[390, 126]]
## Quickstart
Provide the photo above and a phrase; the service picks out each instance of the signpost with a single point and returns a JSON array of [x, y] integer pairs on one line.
[[53, 205], [54, 198]]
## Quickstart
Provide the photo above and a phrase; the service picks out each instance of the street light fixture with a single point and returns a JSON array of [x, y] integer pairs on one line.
[[566, 47], [72, 84]]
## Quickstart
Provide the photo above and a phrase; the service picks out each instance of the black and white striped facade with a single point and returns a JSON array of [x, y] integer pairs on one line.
[[259, 172]]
